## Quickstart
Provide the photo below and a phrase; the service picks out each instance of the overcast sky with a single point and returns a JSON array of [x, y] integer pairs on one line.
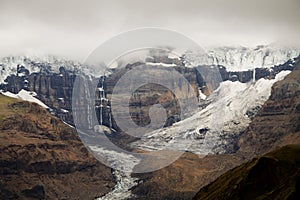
[[74, 28]]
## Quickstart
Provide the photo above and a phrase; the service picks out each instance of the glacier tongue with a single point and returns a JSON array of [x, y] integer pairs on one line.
[[124, 180], [212, 129]]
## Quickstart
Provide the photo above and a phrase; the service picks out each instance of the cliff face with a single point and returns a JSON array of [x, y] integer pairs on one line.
[[278, 121], [275, 175], [42, 158], [149, 94], [54, 89], [53, 81]]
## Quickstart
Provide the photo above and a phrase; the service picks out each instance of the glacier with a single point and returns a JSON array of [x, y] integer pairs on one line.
[[243, 58], [223, 118]]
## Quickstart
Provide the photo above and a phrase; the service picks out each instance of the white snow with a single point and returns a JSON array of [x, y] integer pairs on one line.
[[65, 111], [224, 116], [242, 58], [201, 95], [26, 96], [161, 64], [101, 89]]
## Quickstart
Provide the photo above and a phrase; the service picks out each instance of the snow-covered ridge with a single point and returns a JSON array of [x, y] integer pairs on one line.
[[242, 58], [9, 65], [233, 58], [161, 64]]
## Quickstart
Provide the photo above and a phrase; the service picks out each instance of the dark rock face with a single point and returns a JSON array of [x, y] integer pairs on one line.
[[54, 89], [42, 158], [37, 192], [272, 176]]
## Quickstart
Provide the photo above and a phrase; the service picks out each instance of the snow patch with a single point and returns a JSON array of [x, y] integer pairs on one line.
[[201, 95], [26, 96], [161, 64]]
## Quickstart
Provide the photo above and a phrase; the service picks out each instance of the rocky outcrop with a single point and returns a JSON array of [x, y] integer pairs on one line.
[[277, 122], [42, 158]]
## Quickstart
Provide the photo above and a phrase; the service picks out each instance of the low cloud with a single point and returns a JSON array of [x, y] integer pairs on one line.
[[74, 28]]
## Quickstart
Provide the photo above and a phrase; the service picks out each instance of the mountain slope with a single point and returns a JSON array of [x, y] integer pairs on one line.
[[42, 158], [275, 175], [267, 131]]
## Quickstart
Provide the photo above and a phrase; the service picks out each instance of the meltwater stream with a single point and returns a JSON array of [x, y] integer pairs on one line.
[[124, 162]]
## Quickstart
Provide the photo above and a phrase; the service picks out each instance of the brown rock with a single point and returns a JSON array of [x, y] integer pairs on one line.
[[42, 158]]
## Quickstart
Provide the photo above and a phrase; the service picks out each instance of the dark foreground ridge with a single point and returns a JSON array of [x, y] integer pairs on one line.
[[275, 175]]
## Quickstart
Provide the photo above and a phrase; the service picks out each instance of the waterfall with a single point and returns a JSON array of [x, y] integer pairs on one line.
[[110, 125], [253, 75], [88, 108], [101, 112], [104, 103]]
